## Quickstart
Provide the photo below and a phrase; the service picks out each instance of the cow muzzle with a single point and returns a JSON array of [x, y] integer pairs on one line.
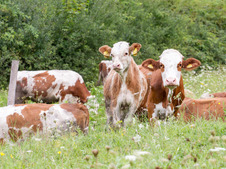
[[171, 83]]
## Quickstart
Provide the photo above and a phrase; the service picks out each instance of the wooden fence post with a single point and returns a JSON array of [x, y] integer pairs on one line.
[[12, 82]]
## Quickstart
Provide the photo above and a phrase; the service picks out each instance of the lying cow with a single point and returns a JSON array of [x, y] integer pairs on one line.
[[211, 108], [125, 86], [50, 86], [166, 84], [21, 120], [105, 67]]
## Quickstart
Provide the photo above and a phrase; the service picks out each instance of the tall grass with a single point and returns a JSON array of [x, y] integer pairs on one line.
[[174, 144]]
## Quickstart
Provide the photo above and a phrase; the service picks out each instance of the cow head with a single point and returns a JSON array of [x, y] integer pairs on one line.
[[121, 54], [171, 62]]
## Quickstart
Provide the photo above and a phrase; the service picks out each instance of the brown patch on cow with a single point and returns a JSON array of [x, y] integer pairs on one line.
[[80, 113], [78, 90], [103, 72], [24, 82], [212, 108], [30, 117], [179, 66], [132, 84], [112, 89], [42, 82]]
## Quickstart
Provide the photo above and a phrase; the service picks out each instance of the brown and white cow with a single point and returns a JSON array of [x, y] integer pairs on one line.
[[209, 108], [166, 84], [105, 67], [125, 86], [51, 86], [21, 120]]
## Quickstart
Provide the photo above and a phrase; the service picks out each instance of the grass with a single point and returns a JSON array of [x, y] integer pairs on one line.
[[175, 144]]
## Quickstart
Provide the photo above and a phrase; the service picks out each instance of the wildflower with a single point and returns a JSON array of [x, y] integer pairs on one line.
[[192, 126], [95, 152], [87, 157], [212, 160], [141, 126], [217, 149], [11, 156], [59, 152], [112, 166], [136, 138], [2, 154], [108, 148], [164, 160], [131, 157], [29, 151], [212, 132], [138, 152]]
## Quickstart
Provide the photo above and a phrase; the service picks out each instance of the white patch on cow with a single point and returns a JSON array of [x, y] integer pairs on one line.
[[56, 118], [170, 59], [4, 112], [118, 56], [69, 98], [162, 113]]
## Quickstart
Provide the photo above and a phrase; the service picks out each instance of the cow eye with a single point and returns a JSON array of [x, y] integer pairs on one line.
[[126, 54], [161, 66], [180, 65], [112, 55]]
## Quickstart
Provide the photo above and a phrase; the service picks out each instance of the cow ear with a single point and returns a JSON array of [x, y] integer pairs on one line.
[[134, 49], [190, 64], [105, 50], [151, 64]]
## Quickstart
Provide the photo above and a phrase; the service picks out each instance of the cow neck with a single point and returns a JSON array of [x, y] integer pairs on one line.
[[127, 72]]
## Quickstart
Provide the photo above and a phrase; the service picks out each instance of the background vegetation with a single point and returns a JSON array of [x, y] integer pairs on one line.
[[66, 34]]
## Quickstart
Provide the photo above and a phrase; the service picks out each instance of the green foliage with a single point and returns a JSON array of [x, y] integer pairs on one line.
[[66, 34]]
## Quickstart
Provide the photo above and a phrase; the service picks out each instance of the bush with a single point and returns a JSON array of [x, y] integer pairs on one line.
[[66, 34]]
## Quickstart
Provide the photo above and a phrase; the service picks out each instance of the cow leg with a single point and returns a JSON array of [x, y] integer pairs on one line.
[[109, 113], [129, 115], [19, 96]]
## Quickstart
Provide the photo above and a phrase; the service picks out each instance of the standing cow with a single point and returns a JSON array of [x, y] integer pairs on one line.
[[21, 120], [50, 86], [125, 86], [166, 84], [105, 67]]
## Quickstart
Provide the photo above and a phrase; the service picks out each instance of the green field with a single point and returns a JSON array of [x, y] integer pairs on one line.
[[174, 144]]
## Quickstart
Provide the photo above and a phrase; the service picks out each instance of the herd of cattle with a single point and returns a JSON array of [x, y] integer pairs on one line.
[[155, 86]]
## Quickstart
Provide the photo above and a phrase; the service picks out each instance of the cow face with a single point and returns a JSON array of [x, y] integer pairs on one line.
[[170, 63], [121, 54]]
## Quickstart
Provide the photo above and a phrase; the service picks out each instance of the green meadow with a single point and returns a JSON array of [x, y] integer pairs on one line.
[[173, 144]]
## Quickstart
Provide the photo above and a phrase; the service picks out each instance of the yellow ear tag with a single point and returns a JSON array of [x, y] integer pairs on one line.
[[189, 66], [135, 52], [106, 54], [150, 66]]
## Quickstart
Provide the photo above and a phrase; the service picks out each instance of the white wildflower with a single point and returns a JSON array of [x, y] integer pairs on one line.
[[217, 149], [139, 153], [141, 126], [29, 151], [131, 157], [136, 138]]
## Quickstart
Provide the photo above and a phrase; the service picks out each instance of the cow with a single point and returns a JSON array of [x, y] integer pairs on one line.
[[166, 91], [50, 86], [125, 86], [105, 67], [209, 108], [207, 95], [21, 120]]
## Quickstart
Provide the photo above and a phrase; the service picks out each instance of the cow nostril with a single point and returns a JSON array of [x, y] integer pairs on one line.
[[167, 80], [174, 80], [118, 65]]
